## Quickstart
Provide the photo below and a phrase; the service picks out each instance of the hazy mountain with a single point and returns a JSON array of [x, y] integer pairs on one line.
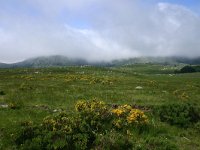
[[45, 61], [192, 61], [53, 61], [49, 62], [3, 65], [158, 60]]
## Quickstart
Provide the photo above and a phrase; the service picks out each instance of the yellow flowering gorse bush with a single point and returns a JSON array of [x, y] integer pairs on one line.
[[126, 115], [118, 112], [97, 113], [80, 129], [90, 106], [137, 116]]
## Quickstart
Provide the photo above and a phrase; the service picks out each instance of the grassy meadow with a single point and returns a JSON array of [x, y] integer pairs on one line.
[[32, 94]]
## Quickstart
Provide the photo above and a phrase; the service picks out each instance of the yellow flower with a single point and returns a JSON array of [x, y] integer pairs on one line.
[[118, 111], [80, 105], [90, 106], [137, 116]]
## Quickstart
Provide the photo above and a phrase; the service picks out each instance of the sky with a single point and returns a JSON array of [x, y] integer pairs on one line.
[[98, 30]]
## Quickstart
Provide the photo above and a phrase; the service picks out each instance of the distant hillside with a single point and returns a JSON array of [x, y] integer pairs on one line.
[[191, 61], [55, 61], [45, 61], [49, 62], [158, 60], [3, 65]]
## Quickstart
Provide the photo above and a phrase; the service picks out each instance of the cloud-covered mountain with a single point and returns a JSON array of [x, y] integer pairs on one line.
[[62, 61], [45, 61]]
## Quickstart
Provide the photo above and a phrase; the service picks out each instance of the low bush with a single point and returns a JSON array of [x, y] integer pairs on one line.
[[89, 127], [114, 140], [182, 114], [197, 127], [2, 93], [15, 104], [188, 69], [158, 143]]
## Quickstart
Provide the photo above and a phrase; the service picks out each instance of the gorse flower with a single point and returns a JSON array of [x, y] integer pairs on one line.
[[80, 105], [90, 106], [121, 110], [118, 112], [126, 115], [122, 116], [137, 116]]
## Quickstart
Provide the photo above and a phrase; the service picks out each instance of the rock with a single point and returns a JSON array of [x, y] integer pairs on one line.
[[55, 110], [4, 105], [138, 88]]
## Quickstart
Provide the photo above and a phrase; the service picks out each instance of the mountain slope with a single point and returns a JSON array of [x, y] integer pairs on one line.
[[49, 61], [3, 65], [55, 61]]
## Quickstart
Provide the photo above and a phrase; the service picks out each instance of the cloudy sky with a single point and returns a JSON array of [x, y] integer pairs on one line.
[[98, 30]]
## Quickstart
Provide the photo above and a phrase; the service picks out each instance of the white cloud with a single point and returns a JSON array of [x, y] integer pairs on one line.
[[117, 29]]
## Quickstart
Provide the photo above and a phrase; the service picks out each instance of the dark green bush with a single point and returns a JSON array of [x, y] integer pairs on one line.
[[59, 132], [2, 93], [113, 140], [15, 104], [66, 131], [187, 69], [197, 127], [158, 143], [181, 115]]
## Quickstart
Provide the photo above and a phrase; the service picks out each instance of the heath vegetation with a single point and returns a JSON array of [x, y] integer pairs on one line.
[[100, 108]]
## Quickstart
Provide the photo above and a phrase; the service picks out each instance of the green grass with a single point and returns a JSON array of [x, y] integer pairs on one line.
[[40, 91]]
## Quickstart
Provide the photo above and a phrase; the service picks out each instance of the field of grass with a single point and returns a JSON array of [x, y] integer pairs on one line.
[[32, 94]]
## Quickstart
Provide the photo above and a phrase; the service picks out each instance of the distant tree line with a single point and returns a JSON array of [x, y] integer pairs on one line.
[[188, 69]]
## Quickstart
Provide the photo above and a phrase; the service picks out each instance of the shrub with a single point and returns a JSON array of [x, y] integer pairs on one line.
[[82, 129], [2, 93], [113, 140], [180, 114], [197, 127], [126, 116], [15, 104], [187, 69], [58, 132], [158, 143]]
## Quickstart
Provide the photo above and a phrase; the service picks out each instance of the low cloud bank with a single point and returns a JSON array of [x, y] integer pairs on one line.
[[100, 30]]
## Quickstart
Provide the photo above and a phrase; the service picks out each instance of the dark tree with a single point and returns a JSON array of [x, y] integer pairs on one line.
[[187, 69]]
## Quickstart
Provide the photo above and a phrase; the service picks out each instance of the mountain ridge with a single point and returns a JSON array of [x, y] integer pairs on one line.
[[61, 61]]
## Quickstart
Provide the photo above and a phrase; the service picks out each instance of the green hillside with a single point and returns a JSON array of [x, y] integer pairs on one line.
[[170, 103]]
